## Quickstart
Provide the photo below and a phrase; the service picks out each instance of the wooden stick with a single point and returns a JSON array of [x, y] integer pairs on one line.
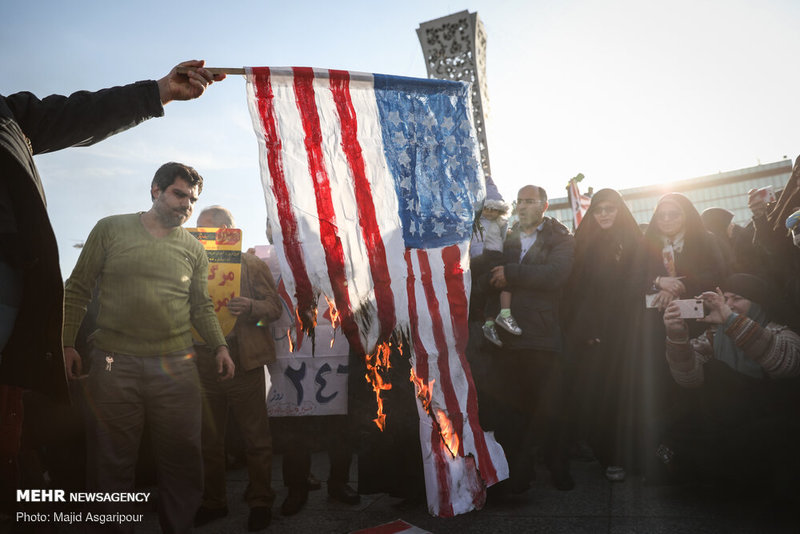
[[213, 70]]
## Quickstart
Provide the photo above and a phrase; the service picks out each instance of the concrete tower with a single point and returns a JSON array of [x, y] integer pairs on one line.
[[455, 49]]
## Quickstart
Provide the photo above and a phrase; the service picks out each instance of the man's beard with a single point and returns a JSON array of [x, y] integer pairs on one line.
[[174, 218]]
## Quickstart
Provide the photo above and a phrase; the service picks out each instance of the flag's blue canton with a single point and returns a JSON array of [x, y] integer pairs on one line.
[[432, 156]]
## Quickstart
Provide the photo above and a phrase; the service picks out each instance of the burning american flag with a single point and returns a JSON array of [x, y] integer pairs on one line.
[[371, 184]]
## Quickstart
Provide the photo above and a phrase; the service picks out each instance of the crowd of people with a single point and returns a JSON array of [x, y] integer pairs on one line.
[[671, 353]]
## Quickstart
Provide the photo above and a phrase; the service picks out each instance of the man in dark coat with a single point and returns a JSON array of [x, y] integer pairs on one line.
[[31, 285], [539, 253], [31, 298]]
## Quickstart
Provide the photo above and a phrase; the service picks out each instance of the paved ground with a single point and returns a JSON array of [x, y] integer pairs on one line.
[[595, 506]]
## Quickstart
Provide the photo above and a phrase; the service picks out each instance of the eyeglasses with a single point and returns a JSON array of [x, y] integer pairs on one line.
[[530, 201], [669, 215]]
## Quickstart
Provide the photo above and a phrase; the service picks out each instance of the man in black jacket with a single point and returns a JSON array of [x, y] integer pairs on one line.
[[538, 254], [31, 285]]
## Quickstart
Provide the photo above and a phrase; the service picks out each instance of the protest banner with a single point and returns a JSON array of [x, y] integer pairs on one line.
[[224, 250]]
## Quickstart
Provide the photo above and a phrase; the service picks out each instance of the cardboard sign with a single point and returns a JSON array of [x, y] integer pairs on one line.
[[224, 249], [306, 381], [306, 384]]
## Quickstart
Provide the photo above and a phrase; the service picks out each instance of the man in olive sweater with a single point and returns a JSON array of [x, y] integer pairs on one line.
[[153, 287]]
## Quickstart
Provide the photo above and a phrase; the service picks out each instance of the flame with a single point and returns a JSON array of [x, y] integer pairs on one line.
[[336, 320], [308, 320], [442, 423], [424, 393], [377, 364], [289, 337], [448, 433]]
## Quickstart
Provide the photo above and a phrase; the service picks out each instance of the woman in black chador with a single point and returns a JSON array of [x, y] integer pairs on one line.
[[602, 301], [681, 260]]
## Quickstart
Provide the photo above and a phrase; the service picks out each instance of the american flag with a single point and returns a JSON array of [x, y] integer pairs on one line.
[[371, 184], [580, 203]]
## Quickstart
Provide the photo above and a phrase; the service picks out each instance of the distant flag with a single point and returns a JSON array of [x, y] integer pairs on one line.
[[371, 184], [579, 203]]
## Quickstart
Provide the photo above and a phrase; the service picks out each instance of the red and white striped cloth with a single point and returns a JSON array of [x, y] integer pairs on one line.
[[371, 183], [439, 357], [579, 203]]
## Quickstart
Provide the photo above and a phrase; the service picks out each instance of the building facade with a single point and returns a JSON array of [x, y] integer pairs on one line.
[[722, 190]]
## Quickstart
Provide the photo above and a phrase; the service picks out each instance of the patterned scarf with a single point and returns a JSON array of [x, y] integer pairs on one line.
[[672, 246]]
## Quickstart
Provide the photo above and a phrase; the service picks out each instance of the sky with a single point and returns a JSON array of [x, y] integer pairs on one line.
[[627, 92]]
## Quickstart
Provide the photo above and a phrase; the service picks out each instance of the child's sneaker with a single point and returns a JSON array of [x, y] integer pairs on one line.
[[491, 334], [509, 324]]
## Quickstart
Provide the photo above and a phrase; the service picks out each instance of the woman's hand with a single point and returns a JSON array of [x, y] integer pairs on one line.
[[675, 326], [672, 284], [662, 299], [718, 309]]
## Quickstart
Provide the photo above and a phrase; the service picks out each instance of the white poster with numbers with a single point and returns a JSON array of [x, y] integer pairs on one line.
[[306, 381]]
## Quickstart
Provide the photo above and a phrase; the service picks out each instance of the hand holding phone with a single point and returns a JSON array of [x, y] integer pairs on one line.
[[690, 308]]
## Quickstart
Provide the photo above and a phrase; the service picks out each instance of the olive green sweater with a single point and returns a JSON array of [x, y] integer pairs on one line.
[[151, 289]]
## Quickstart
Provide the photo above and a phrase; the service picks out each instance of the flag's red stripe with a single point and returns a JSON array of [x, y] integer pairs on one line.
[[575, 200], [381, 280], [454, 411], [459, 310], [422, 372], [286, 218], [298, 326], [420, 354], [445, 506], [331, 243]]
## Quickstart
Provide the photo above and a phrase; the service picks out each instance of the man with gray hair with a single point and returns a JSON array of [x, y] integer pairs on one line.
[[252, 347]]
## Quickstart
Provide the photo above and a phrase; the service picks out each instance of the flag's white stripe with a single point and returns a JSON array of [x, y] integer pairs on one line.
[[462, 484], [356, 261], [266, 181], [370, 137], [425, 331], [299, 181], [469, 431], [458, 376], [269, 199], [457, 379], [425, 334], [495, 450]]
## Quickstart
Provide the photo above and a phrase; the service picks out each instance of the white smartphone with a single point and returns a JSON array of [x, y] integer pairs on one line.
[[691, 308]]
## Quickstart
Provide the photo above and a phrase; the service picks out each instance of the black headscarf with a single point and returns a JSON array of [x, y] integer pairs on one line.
[[599, 289], [592, 242], [759, 291], [717, 221], [700, 260], [694, 230]]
